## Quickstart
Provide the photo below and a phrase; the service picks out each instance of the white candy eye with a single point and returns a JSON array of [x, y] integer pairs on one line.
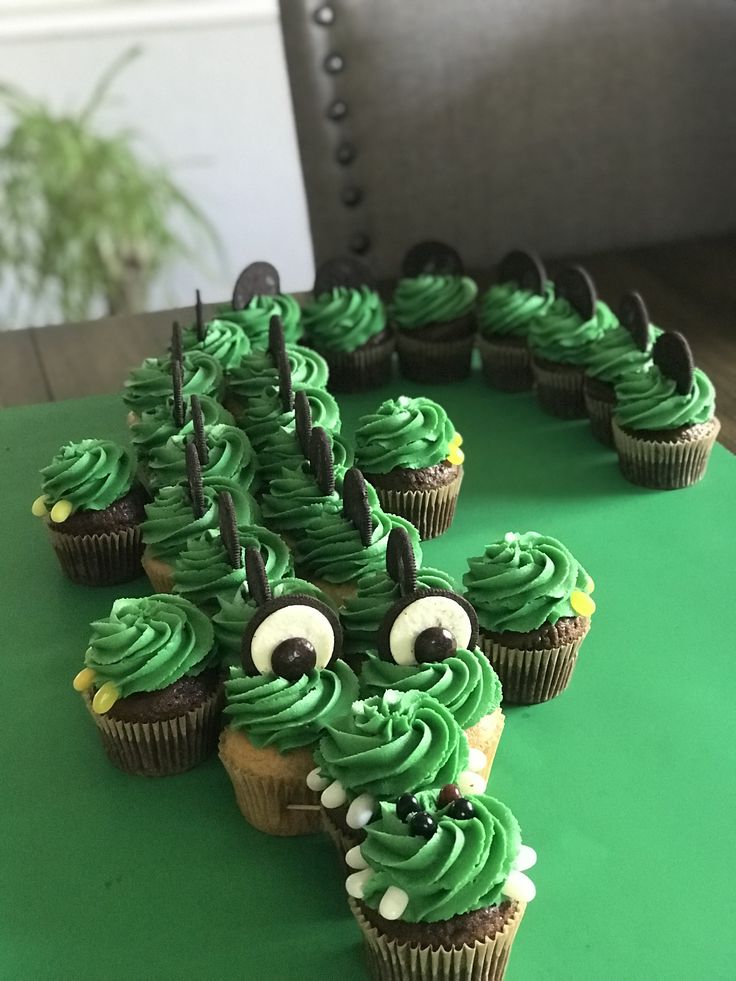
[[428, 627], [291, 638]]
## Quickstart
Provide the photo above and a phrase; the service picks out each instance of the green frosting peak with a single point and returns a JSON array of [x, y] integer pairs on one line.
[[430, 299], [616, 355], [151, 384], [344, 318], [157, 425], [224, 340], [403, 432], [294, 499], [258, 372], [560, 334], [506, 311], [523, 581], [266, 417], [650, 400], [90, 474], [230, 455], [255, 319]]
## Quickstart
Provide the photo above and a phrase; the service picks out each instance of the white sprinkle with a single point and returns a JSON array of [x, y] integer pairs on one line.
[[356, 881], [477, 759], [526, 859], [519, 887], [391, 696], [315, 781], [360, 812], [354, 858], [393, 903], [334, 795], [511, 536], [471, 783]]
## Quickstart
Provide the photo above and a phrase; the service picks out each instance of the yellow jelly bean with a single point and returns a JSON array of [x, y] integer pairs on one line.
[[591, 585], [84, 680], [61, 511], [582, 603], [455, 456], [456, 440], [105, 698], [38, 508]]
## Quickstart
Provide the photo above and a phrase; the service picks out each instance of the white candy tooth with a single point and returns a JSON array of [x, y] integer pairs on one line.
[[354, 858], [334, 795], [356, 881], [471, 783], [477, 759], [520, 887], [393, 903], [360, 812], [526, 859], [315, 781]]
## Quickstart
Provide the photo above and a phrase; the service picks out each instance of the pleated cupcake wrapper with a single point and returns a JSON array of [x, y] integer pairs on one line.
[[485, 960], [430, 511], [600, 414], [355, 371], [264, 800], [342, 840], [99, 560], [664, 466], [164, 747], [434, 361], [530, 677], [560, 392], [132, 418], [507, 367], [160, 573], [485, 736]]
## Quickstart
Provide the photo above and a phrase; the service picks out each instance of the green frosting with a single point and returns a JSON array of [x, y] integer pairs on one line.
[[202, 571], [561, 334], [294, 499], [282, 452], [254, 320], [392, 742], [289, 714], [157, 425], [615, 355], [170, 521], [149, 643], [506, 311], [151, 384], [266, 416], [523, 581], [403, 432], [650, 400], [344, 319], [362, 614], [230, 456], [224, 340], [461, 868], [91, 474], [258, 372], [430, 299], [464, 683]]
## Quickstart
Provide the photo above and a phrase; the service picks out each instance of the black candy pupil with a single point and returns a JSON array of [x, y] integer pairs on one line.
[[461, 810], [434, 644], [406, 804], [422, 824], [293, 658]]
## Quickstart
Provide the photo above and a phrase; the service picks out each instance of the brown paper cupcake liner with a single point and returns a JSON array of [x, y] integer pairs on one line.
[[356, 371], [485, 960], [132, 418], [431, 511], [164, 747], [530, 677], [600, 413], [560, 389], [507, 367], [101, 559], [485, 736], [266, 799], [433, 362], [341, 839], [664, 465], [160, 573]]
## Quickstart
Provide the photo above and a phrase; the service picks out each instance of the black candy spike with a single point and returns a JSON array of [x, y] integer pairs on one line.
[[228, 524], [200, 439], [255, 576], [321, 461], [194, 478], [355, 504], [400, 561]]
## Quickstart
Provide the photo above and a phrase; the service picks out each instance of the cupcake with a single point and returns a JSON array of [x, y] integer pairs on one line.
[[150, 385], [93, 508], [224, 340], [563, 338], [504, 314], [533, 602], [151, 685], [156, 426], [258, 373], [346, 323], [427, 642], [291, 685], [256, 299], [410, 452], [623, 350], [664, 424], [433, 311], [440, 889]]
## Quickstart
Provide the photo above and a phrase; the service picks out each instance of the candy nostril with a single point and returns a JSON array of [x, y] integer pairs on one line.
[[434, 644], [293, 658]]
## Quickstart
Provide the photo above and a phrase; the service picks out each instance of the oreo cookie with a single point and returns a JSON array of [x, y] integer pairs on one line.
[[401, 564], [523, 268], [321, 462], [430, 257], [200, 440], [355, 504], [342, 271], [633, 315], [199, 325], [177, 348], [257, 279], [255, 576], [286, 390], [576, 286], [228, 524], [194, 479], [177, 382], [303, 422], [672, 355], [276, 339]]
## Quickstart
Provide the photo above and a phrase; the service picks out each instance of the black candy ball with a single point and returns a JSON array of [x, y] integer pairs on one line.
[[434, 644], [422, 824], [461, 810], [293, 658], [406, 804]]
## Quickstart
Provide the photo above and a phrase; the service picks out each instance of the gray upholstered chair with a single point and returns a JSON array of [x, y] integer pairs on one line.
[[568, 125]]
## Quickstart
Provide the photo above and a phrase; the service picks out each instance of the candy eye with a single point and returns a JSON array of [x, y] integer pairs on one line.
[[291, 636], [427, 626]]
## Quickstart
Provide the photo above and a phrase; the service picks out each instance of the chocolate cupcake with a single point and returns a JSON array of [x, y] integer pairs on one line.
[[151, 685], [433, 312], [410, 452], [256, 300], [93, 508], [533, 602]]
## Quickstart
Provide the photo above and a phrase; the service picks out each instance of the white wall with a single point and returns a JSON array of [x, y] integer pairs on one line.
[[209, 96]]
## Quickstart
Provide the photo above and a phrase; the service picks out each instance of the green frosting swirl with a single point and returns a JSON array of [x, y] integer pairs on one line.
[[344, 319], [224, 340], [465, 683], [616, 355], [258, 372], [266, 416], [282, 452], [151, 384], [506, 311], [91, 474], [392, 742], [461, 868], [170, 521], [294, 499], [561, 334], [157, 425], [149, 643], [230, 456], [403, 432], [362, 614], [289, 714], [650, 400], [523, 581], [202, 571], [430, 299], [254, 320]]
